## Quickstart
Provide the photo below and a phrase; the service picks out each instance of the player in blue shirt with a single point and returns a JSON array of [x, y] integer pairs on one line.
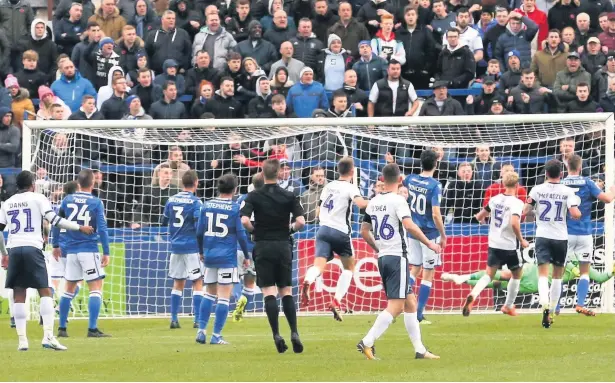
[[83, 259], [580, 239], [181, 214], [424, 195], [58, 242], [218, 232]]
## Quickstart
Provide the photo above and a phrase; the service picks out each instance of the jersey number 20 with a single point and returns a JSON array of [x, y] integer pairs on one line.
[[418, 203]]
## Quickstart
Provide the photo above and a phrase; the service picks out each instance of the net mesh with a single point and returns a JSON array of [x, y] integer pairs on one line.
[[141, 167]]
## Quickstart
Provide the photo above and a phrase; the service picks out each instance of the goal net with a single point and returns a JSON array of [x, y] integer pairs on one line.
[[140, 164]]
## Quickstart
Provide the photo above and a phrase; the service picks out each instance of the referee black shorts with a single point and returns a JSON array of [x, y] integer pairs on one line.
[[27, 268], [273, 261]]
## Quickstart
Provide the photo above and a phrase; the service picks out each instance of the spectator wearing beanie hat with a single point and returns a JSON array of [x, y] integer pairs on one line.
[[260, 50], [21, 101], [307, 95], [102, 57], [88, 110], [512, 76], [333, 63], [370, 68], [135, 110], [46, 99]]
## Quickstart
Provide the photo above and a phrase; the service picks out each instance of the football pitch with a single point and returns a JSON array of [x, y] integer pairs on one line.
[[478, 348]]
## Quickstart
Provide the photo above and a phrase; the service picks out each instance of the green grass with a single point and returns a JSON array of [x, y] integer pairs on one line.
[[478, 348]]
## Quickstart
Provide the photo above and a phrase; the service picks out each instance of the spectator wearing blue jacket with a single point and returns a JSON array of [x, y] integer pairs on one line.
[[71, 87], [516, 38], [307, 95], [370, 68]]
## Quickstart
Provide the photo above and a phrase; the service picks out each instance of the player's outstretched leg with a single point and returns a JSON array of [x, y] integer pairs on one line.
[[511, 292], [471, 298], [311, 275], [204, 313], [343, 283], [247, 295], [290, 312]]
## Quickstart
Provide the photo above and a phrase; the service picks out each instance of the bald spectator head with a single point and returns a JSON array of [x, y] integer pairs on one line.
[[211, 9], [350, 78], [305, 27], [75, 12], [568, 35], [168, 20], [280, 19], [202, 59], [583, 22], [321, 7], [287, 50], [345, 12], [108, 7], [213, 22]]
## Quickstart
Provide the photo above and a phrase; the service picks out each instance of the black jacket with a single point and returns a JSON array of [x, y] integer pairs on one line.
[[594, 8], [63, 7], [260, 106], [481, 104], [451, 107], [68, 34], [148, 95], [463, 198], [264, 52], [195, 75], [82, 62], [307, 50], [31, 80], [47, 55], [593, 63], [509, 80], [561, 16], [174, 44], [238, 28], [321, 23], [277, 36], [198, 108], [490, 40], [224, 108], [128, 56], [80, 115], [456, 67], [384, 106], [607, 103], [354, 95], [167, 111], [151, 21], [420, 48], [16, 20], [114, 108], [183, 19], [577, 106], [369, 12]]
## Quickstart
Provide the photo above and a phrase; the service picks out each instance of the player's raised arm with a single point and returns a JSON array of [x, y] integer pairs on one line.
[[360, 201], [366, 232], [606, 197], [103, 232]]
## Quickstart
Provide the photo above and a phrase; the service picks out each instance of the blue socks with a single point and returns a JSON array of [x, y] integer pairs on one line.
[[176, 300], [94, 304], [65, 308], [424, 291], [582, 288], [207, 302], [197, 298], [221, 315]]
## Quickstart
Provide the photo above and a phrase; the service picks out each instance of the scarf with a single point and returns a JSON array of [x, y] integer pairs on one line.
[[140, 21]]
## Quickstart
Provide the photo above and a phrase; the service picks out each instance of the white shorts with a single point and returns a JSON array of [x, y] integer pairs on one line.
[[185, 266], [580, 248], [225, 276], [82, 266], [421, 255], [56, 269], [243, 270]]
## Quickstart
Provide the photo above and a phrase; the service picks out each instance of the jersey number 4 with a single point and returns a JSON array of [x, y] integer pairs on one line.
[[328, 203], [82, 215]]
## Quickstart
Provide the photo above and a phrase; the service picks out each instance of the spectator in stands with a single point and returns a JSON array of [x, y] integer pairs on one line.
[[112, 194], [233, 69], [238, 24], [498, 188], [129, 47], [481, 104], [607, 38], [292, 65], [115, 107], [550, 60], [47, 98], [169, 42], [371, 13], [566, 150], [441, 104], [369, 68], [71, 87], [134, 110], [88, 110], [171, 73], [30, 77], [333, 63], [356, 98], [468, 36], [490, 40], [442, 21], [497, 108], [529, 9], [16, 17], [583, 103], [286, 180], [7, 189], [392, 96], [168, 107], [339, 105], [278, 107], [385, 44], [512, 76], [202, 71], [148, 212], [310, 199], [62, 11], [323, 18], [349, 29], [607, 101], [260, 106], [462, 196], [518, 36], [206, 92], [569, 37], [42, 44], [105, 92], [148, 92], [280, 31], [260, 50], [186, 18], [176, 163], [563, 14], [307, 47], [144, 19], [485, 168], [455, 63], [223, 104], [280, 83], [247, 81], [529, 97], [603, 21], [215, 40], [57, 112], [68, 30], [9, 139], [306, 95], [593, 59], [109, 18], [102, 57], [583, 31], [565, 86], [21, 101], [420, 49], [275, 6], [92, 34], [601, 78]]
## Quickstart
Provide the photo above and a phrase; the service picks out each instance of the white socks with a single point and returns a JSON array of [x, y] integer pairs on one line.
[[382, 323], [414, 332], [543, 291], [47, 313], [480, 285], [343, 283], [556, 291], [513, 290], [20, 315], [311, 275]]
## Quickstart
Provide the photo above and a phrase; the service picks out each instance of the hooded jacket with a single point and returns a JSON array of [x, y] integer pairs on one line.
[[101, 64], [72, 91], [9, 141], [307, 49], [174, 44], [147, 24], [260, 106], [390, 47], [267, 20], [293, 68], [16, 19], [183, 18], [224, 43], [45, 47], [278, 87], [115, 107], [68, 34], [105, 92], [562, 16], [456, 65], [178, 79], [61, 11], [111, 25], [21, 104], [520, 41], [419, 48]]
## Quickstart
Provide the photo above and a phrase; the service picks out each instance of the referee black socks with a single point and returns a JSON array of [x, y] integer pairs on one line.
[[288, 304], [273, 311]]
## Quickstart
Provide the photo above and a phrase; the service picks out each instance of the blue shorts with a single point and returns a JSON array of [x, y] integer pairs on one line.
[[394, 273], [329, 241]]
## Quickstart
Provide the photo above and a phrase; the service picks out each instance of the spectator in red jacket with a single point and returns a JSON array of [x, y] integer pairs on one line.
[[607, 38], [530, 10], [497, 188]]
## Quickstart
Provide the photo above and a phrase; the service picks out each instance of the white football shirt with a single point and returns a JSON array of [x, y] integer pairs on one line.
[[386, 212], [552, 201], [336, 205], [23, 215], [501, 234]]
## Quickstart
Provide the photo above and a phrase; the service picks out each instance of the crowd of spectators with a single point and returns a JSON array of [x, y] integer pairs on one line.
[[203, 59]]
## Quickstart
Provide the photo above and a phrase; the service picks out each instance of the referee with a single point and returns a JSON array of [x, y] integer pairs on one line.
[[273, 207]]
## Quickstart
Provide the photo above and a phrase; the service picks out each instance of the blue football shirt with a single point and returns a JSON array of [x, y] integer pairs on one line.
[[181, 214], [423, 194], [588, 192]]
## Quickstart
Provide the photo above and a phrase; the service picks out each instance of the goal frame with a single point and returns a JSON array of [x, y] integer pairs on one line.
[[339, 124]]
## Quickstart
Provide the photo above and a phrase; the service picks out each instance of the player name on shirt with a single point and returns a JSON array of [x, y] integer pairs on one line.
[[177, 199], [417, 189]]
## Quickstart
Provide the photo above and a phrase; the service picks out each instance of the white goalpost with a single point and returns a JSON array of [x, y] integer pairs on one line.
[[474, 151]]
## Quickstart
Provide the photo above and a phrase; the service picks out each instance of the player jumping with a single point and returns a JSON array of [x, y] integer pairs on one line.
[[388, 217], [334, 234], [580, 239], [181, 214], [219, 230], [551, 201], [424, 195], [23, 214], [504, 239], [83, 259]]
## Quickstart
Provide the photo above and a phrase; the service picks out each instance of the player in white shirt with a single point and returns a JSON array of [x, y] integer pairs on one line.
[[333, 236], [551, 200], [385, 226], [504, 240], [23, 214]]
